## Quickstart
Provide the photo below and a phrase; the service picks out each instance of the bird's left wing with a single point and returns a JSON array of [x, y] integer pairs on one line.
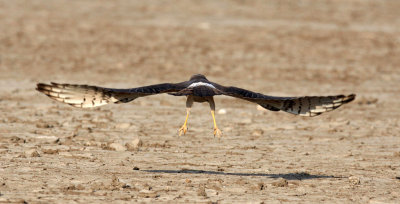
[[86, 96], [304, 106]]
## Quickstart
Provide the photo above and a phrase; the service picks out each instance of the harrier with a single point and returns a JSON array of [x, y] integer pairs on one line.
[[197, 89]]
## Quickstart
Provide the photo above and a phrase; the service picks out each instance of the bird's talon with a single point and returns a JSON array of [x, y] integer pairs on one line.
[[217, 132], [183, 130]]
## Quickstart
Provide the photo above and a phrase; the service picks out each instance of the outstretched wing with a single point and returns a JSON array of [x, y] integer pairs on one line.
[[304, 106], [86, 96]]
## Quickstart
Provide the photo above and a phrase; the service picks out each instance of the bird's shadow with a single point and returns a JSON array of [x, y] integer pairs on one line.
[[288, 176]]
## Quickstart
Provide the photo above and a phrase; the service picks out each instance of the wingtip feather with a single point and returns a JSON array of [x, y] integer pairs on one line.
[[349, 98]]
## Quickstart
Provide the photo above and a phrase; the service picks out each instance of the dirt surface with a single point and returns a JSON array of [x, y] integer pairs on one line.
[[51, 152]]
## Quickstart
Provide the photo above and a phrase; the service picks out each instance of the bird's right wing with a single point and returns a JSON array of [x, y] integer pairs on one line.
[[304, 105], [86, 96]]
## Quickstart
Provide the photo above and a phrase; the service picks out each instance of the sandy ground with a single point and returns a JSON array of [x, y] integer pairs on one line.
[[54, 153]]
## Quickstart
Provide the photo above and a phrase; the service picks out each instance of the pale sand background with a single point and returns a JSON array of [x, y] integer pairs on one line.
[[50, 152]]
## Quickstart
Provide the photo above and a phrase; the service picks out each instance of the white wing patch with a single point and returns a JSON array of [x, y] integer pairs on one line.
[[201, 84]]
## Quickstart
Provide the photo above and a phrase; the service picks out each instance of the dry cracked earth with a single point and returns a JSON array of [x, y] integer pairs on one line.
[[53, 153]]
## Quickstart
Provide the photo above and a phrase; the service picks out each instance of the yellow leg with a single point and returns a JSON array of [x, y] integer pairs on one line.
[[217, 132], [184, 128]]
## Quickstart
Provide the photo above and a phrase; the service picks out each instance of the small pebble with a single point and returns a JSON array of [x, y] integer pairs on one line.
[[32, 153], [257, 132], [117, 147], [202, 191], [353, 180], [281, 183], [123, 126], [222, 111], [134, 144]]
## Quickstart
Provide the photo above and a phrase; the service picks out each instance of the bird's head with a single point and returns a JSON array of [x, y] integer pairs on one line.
[[198, 76]]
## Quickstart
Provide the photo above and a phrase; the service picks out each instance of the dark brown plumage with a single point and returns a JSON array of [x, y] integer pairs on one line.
[[197, 89]]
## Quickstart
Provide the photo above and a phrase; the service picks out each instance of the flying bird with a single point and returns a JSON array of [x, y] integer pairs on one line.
[[197, 89]]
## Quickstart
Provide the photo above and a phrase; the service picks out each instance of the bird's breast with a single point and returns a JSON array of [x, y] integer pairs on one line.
[[204, 91], [199, 99]]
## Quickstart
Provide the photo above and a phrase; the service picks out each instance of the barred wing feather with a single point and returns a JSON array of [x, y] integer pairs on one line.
[[304, 106], [86, 96], [307, 105]]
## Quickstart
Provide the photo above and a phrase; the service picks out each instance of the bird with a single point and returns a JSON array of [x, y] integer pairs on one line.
[[197, 89]]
